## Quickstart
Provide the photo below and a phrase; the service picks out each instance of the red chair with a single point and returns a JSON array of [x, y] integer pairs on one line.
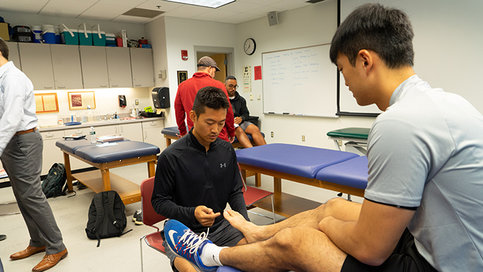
[[253, 195], [150, 217]]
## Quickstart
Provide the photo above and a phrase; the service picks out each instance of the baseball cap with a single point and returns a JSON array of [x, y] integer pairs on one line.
[[207, 61]]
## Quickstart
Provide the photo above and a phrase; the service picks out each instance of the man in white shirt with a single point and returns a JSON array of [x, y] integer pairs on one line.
[[21, 156]]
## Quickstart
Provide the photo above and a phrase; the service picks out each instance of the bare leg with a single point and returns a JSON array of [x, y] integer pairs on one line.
[[242, 138], [337, 207], [299, 249], [256, 134]]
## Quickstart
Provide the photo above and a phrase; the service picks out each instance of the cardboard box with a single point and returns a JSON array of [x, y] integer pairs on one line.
[[4, 31]]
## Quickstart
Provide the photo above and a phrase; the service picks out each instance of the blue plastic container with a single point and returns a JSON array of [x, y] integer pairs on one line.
[[70, 36], [111, 40], [85, 37], [37, 31], [99, 39]]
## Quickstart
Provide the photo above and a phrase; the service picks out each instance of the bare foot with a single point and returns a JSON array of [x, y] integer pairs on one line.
[[251, 231]]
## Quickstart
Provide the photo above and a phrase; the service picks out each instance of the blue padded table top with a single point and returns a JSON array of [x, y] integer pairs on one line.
[[102, 153], [353, 173], [72, 145], [297, 160], [173, 131]]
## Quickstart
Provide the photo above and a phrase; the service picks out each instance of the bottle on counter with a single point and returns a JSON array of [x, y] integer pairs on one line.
[[93, 136]]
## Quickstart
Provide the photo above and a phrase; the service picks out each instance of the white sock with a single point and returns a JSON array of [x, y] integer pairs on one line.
[[210, 256]]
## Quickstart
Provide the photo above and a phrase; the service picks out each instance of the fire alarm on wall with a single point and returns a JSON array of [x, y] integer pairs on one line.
[[184, 54]]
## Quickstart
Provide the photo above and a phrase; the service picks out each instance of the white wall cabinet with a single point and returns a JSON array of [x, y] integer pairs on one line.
[[67, 66], [142, 67], [119, 67], [13, 54], [37, 64], [94, 66], [51, 153], [152, 133]]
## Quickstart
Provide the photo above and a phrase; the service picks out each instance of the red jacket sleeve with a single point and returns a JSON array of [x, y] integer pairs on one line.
[[180, 113], [230, 117]]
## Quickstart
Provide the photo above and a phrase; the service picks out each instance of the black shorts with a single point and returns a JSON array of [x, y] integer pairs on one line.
[[405, 258], [224, 235]]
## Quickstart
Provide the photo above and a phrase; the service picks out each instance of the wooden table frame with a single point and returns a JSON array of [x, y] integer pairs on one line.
[[103, 180], [286, 204]]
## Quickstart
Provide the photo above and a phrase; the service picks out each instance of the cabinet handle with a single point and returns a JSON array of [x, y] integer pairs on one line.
[[61, 87], [114, 86], [137, 85], [103, 86], [49, 88]]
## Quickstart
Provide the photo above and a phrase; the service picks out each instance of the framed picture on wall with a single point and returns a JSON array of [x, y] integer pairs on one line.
[[182, 76], [81, 100]]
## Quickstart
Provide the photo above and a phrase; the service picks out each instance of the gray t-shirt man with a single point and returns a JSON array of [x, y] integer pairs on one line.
[[426, 152]]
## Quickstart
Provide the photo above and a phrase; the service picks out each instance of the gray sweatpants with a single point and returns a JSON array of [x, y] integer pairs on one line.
[[22, 160]]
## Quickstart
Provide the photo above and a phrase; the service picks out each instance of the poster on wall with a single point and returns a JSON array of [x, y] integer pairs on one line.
[[247, 79], [46, 102], [81, 100], [182, 76]]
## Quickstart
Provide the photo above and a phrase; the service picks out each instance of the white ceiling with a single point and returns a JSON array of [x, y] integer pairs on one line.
[[112, 10]]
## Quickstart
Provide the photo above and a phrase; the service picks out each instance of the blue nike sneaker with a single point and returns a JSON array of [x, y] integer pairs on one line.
[[184, 243]]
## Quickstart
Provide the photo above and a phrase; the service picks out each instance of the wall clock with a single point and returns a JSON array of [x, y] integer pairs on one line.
[[249, 46]]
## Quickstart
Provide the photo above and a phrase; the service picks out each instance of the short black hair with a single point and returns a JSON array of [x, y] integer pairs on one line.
[[386, 31], [230, 77], [4, 48], [211, 97]]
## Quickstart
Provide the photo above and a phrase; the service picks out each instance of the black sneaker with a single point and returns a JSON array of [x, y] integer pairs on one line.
[[137, 217]]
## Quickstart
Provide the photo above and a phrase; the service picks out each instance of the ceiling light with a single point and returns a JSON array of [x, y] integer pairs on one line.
[[204, 3]]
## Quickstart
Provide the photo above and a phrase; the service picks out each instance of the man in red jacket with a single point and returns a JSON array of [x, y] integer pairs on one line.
[[187, 90]]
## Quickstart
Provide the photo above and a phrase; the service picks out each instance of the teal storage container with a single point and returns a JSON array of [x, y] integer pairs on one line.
[[99, 39], [69, 36], [85, 37]]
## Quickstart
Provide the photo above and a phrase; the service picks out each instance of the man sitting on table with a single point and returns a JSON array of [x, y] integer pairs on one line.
[[240, 110], [422, 206], [198, 175]]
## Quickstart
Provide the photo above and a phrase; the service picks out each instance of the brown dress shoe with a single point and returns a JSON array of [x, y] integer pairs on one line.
[[30, 250], [50, 260]]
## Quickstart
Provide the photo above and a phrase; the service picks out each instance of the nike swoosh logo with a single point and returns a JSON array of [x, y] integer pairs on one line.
[[170, 234]]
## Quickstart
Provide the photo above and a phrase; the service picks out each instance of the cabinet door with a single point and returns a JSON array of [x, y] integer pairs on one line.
[[67, 67], [106, 131], [76, 163], [94, 66], [119, 67], [37, 64], [152, 133], [13, 54], [51, 153], [142, 67], [132, 131]]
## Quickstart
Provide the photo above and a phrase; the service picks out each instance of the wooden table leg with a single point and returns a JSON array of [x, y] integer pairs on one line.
[[106, 179], [168, 141], [258, 179], [151, 169], [277, 185], [68, 172]]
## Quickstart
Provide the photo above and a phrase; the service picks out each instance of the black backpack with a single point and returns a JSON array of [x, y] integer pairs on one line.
[[53, 183], [107, 216]]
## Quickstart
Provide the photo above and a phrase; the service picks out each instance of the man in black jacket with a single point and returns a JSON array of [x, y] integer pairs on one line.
[[240, 110], [198, 175]]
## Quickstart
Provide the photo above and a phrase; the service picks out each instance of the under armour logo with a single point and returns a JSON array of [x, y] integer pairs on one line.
[[223, 165]]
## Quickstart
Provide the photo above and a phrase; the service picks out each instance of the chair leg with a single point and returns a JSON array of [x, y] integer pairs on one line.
[[141, 250], [273, 209]]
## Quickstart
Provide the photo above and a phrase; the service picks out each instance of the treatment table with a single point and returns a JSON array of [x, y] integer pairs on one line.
[[355, 138], [104, 157], [324, 168]]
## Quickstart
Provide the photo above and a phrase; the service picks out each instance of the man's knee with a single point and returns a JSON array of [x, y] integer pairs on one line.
[[330, 207]]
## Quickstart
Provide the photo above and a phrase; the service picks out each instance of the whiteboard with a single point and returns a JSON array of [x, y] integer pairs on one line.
[[299, 82], [447, 44]]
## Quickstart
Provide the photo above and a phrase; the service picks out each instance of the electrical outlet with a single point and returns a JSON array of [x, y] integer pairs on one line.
[[303, 138], [136, 101], [251, 97], [271, 134]]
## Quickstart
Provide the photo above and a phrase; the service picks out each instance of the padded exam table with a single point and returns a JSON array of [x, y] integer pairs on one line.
[[106, 156], [324, 168], [355, 137]]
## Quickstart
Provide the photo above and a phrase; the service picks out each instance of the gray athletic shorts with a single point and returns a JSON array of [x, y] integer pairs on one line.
[[225, 235], [245, 124]]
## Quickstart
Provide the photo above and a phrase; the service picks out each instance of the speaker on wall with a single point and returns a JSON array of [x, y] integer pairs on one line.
[[272, 18], [161, 97]]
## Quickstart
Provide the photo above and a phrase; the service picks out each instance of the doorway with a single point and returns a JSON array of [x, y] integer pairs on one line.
[[223, 58]]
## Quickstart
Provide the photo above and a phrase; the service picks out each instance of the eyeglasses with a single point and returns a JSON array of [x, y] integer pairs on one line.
[[232, 86]]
